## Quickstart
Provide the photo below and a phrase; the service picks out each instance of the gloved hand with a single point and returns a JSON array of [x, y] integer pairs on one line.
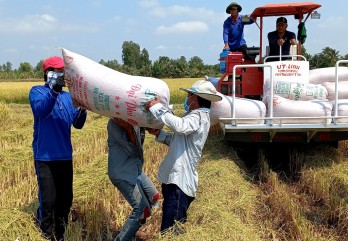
[[55, 81], [60, 83]]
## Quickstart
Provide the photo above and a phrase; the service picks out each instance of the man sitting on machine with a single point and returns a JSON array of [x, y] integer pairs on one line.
[[280, 39]]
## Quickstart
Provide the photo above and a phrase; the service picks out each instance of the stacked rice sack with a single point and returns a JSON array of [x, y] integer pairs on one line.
[[293, 95], [113, 94], [283, 107], [244, 108], [252, 110], [327, 77]]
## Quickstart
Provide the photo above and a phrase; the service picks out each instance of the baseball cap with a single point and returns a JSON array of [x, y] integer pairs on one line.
[[204, 89], [282, 20], [53, 62]]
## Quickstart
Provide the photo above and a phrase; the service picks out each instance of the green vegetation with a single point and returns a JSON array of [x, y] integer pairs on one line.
[[137, 62], [306, 199]]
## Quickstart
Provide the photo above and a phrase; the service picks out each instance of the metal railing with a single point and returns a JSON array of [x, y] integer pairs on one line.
[[269, 120]]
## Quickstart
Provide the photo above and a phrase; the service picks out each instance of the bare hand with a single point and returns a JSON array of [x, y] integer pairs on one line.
[[153, 131], [68, 81], [151, 103], [77, 104], [281, 41]]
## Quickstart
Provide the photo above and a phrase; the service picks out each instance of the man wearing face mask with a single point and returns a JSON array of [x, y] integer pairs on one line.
[[177, 172], [54, 114]]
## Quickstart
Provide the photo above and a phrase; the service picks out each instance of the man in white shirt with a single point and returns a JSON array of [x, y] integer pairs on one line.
[[178, 171]]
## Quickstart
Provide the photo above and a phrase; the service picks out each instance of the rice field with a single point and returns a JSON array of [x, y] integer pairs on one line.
[[234, 201]]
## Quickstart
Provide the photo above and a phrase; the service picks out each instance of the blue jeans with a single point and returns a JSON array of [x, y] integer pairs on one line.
[[139, 196], [175, 205]]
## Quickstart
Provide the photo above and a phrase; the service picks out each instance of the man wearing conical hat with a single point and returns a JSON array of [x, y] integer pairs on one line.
[[233, 29], [177, 172]]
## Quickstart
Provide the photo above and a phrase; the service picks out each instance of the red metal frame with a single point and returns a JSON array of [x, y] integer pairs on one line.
[[283, 9], [250, 80]]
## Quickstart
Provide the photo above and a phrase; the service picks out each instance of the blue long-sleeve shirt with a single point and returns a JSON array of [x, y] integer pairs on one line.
[[233, 33], [54, 114]]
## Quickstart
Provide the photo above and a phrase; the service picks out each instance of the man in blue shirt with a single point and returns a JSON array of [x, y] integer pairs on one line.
[[125, 163], [178, 171], [54, 114], [233, 30], [280, 37]]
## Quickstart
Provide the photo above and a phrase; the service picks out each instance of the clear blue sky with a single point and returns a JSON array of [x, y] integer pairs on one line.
[[33, 29]]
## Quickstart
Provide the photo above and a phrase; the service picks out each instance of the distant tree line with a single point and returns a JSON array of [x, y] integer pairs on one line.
[[136, 61], [327, 58]]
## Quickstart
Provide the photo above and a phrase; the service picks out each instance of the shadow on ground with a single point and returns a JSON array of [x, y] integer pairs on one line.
[[286, 159]]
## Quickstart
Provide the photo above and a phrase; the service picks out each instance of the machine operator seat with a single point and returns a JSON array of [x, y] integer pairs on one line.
[[253, 52]]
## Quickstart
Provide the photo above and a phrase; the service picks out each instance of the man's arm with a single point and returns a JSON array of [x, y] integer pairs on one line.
[[80, 116], [272, 41], [161, 135], [291, 36], [293, 39], [247, 19], [42, 103], [225, 33], [185, 125]]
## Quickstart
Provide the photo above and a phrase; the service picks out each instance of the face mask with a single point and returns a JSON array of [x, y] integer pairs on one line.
[[186, 106], [52, 76]]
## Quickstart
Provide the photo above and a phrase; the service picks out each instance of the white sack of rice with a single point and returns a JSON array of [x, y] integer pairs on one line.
[[113, 94]]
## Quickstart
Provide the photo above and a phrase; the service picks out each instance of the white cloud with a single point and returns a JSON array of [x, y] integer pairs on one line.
[[148, 3], [44, 23], [176, 10], [333, 23], [161, 47], [46, 17], [114, 19], [183, 27], [11, 51], [183, 47], [165, 12], [31, 23]]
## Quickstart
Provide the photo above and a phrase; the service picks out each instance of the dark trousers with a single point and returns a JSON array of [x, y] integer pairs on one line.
[[55, 180], [243, 49], [175, 205]]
